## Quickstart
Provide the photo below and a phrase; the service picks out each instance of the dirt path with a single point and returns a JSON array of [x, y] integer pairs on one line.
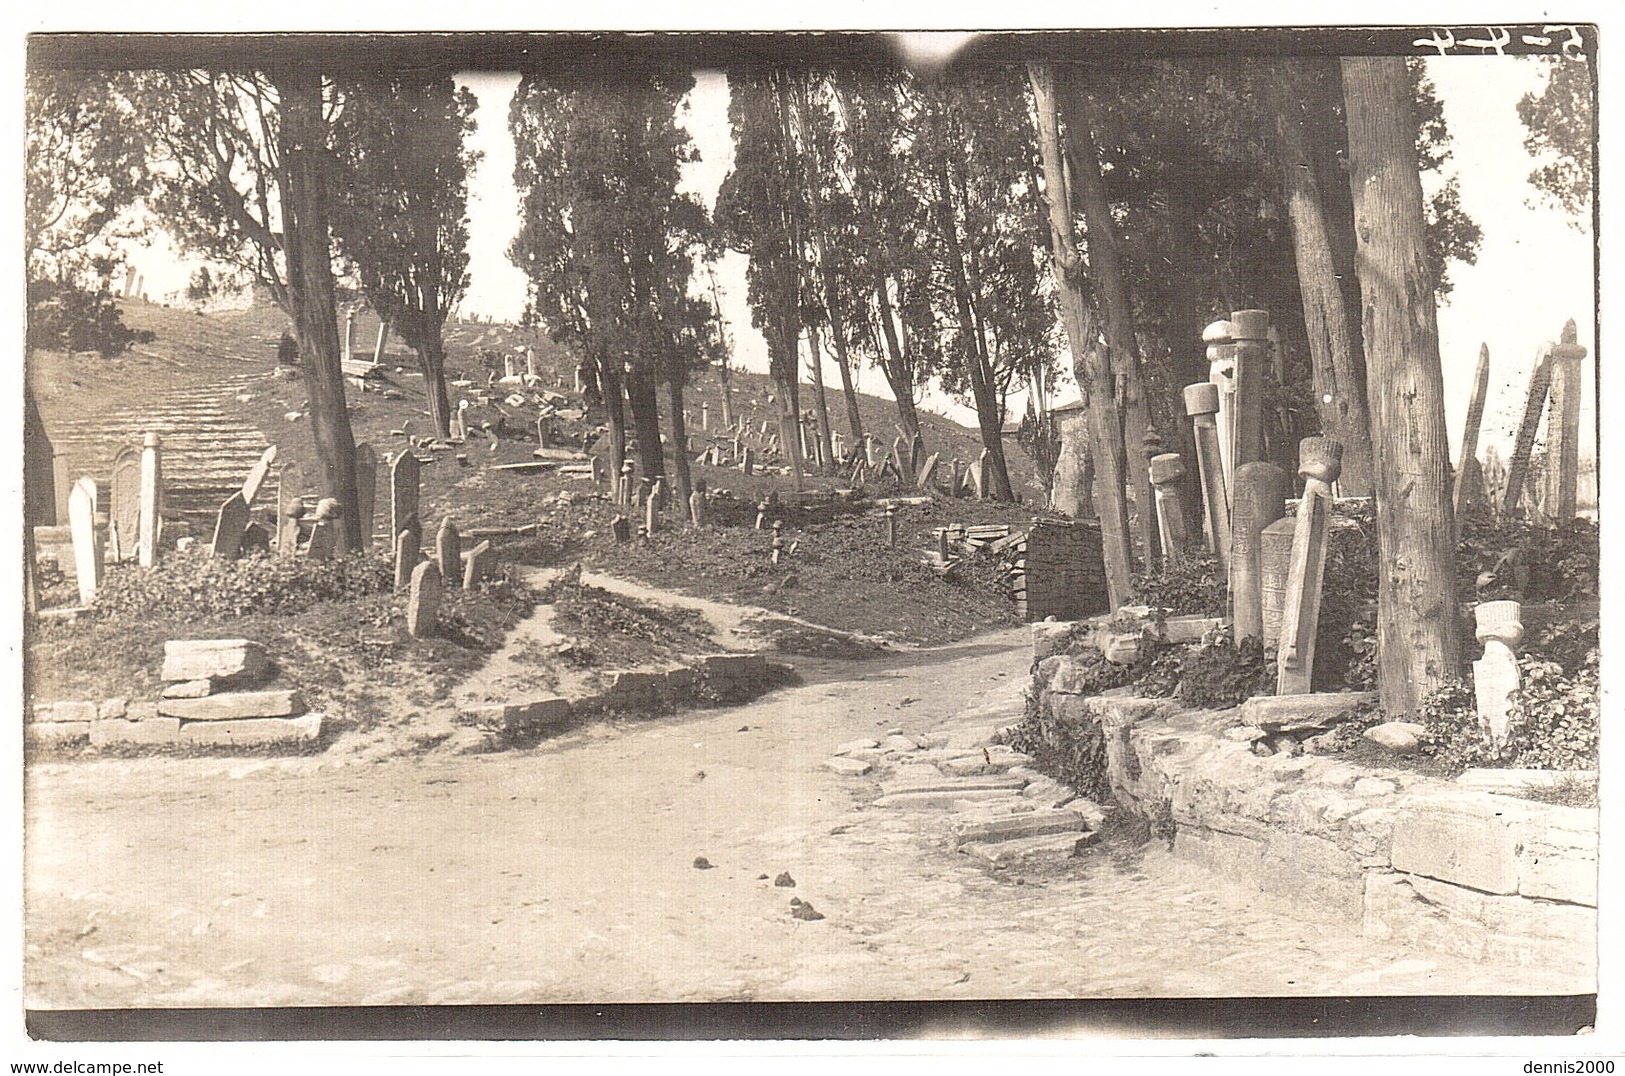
[[567, 873]]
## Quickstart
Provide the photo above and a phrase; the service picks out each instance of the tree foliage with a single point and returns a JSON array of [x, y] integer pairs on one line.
[[1562, 130]]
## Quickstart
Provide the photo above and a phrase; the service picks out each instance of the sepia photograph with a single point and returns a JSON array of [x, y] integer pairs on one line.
[[810, 535]]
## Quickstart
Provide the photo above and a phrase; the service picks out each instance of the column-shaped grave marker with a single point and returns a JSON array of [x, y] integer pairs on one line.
[[475, 563], [152, 500], [1533, 406], [408, 550], [1260, 499], [1202, 402], [1469, 475], [1251, 356], [1563, 428], [1495, 675], [290, 507], [1320, 460], [404, 476], [324, 535], [1275, 562], [423, 604], [87, 546], [1166, 471]]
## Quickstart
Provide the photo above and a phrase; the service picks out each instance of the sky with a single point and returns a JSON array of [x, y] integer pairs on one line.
[[1533, 272]]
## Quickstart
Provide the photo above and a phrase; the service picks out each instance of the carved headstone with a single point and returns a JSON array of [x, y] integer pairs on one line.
[[256, 476], [1320, 460], [1495, 675], [228, 527], [404, 475], [290, 507], [1251, 332], [1274, 561], [124, 513], [366, 492], [423, 604], [1221, 357], [152, 501], [475, 564], [87, 550], [448, 549], [1260, 499], [1202, 404], [1166, 471], [324, 536]]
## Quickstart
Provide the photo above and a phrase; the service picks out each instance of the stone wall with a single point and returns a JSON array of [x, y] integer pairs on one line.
[[1399, 854], [1061, 573]]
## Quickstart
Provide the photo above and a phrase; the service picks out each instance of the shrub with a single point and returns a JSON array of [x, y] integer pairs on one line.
[[195, 583], [1454, 734], [1525, 561], [1193, 586], [1217, 675], [1556, 717]]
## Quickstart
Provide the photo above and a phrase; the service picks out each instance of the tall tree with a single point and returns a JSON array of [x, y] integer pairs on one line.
[[400, 211], [605, 240], [1560, 119], [1092, 365], [242, 161], [1417, 633]]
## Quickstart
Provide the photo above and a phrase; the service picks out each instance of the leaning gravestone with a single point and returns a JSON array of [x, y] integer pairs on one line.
[[475, 563], [87, 553], [423, 606], [366, 492], [404, 474], [229, 526], [256, 476], [124, 513], [290, 507]]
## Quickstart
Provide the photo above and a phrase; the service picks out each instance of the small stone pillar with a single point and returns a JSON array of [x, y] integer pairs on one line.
[[1495, 675], [152, 501], [1202, 402], [324, 536], [88, 557], [778, 540], [349, 334], [891, 526], [623, 489], [705, 415], [290, 508], [1252, 352], [1563, 426], [1221, 358], [404, 475], [696, 507], [474, 564], [423, 605], [408, 551], [448, 550], [651, 508], [1166, 471], [621, 528], [1320, 460], [1260, 499]]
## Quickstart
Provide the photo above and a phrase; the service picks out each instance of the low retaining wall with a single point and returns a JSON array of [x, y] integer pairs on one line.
[[1401, 855]]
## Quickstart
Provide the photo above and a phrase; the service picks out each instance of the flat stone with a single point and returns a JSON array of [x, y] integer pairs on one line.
[[1048, 793], [1457, 840], [899, 744], [941, 783], [1557, 853], [1301, 713], [233, 705], [117, 730], [1012, 826], [976, 736], [953, 799], [252, 731], [1189, 629], [109, 708], [68, 710], [966, 766], [1396, 735], [57, 733], [189, 689], [1004, 853], [1092, 813], [142, 710], [847, 767], [516, 716], [240, 660], [909, 773], [1245, 733], [856, 745]]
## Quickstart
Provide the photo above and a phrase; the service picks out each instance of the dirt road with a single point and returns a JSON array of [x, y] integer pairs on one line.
[[566, 873]]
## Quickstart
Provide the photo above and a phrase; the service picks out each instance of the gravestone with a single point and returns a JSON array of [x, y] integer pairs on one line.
[[891, 526], [256, 541], [323, 540], [597, 466], [124, 511], [423, 604], [1221, 357], [87, 552], [1534, 406], [290, 507], [1251, 356], [366, 491], [475, 564], [1320, 460], [228, 527], [696, 508], [404, 475], [408, 550], [152, 501], [1259, 500], [1274, 561], [1469, 475], [916, 454], [927, 471], [1202, 402], [448, 549], [256, 476], [1563, 426], [1063, 573], [1495, 675], [621, 528], [1166, 471]]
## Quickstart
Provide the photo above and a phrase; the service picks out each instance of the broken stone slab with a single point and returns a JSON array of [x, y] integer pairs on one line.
[[1048, 792], [57, 733], [956, 799], [898, 743], [234, 705], [1302, 713], [855, 745], [189, 689], [117, 730], [516, 717], [252, 731], [847, 767], [1092, 813], [237, 660], [1013, 826], [1396, 735], [1245, 733], [966, 766], [112, 708], [1023, 849]]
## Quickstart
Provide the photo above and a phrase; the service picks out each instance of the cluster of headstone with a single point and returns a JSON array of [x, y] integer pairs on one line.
[[450, 565], [131, 528]]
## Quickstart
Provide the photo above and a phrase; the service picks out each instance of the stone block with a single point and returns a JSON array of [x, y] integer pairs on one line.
[[234, 705], [253, 731], [1301, 713], [679, 683], [189, 689], [1025, 849], [1396, 735], [937, 782], [899, 743], [237, 660], [71, 710], [142, 710], [117, 731], [736, 666], [1178, 630], [110, 708], [1051, 638], [636, 687], [57, 733], [1315, 872], [1456, 840], [1014, 826], [847, 767], [1557, 854], [517, 717], [952, 799], [856, 745], [1237, 859]]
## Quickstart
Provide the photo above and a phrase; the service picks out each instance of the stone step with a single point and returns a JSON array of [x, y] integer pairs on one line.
[[952, 799], [991, 828], [943, 783], [1025, 849]]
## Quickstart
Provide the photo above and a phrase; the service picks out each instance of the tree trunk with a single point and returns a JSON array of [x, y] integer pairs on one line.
[[682, 481], [826, 444], [895, 365], [1091, 365], [645, 405], [1418, 639], [431, 353], [781, 358], [1339, 390], [1106, 270], [613, 396], [310, 278]]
